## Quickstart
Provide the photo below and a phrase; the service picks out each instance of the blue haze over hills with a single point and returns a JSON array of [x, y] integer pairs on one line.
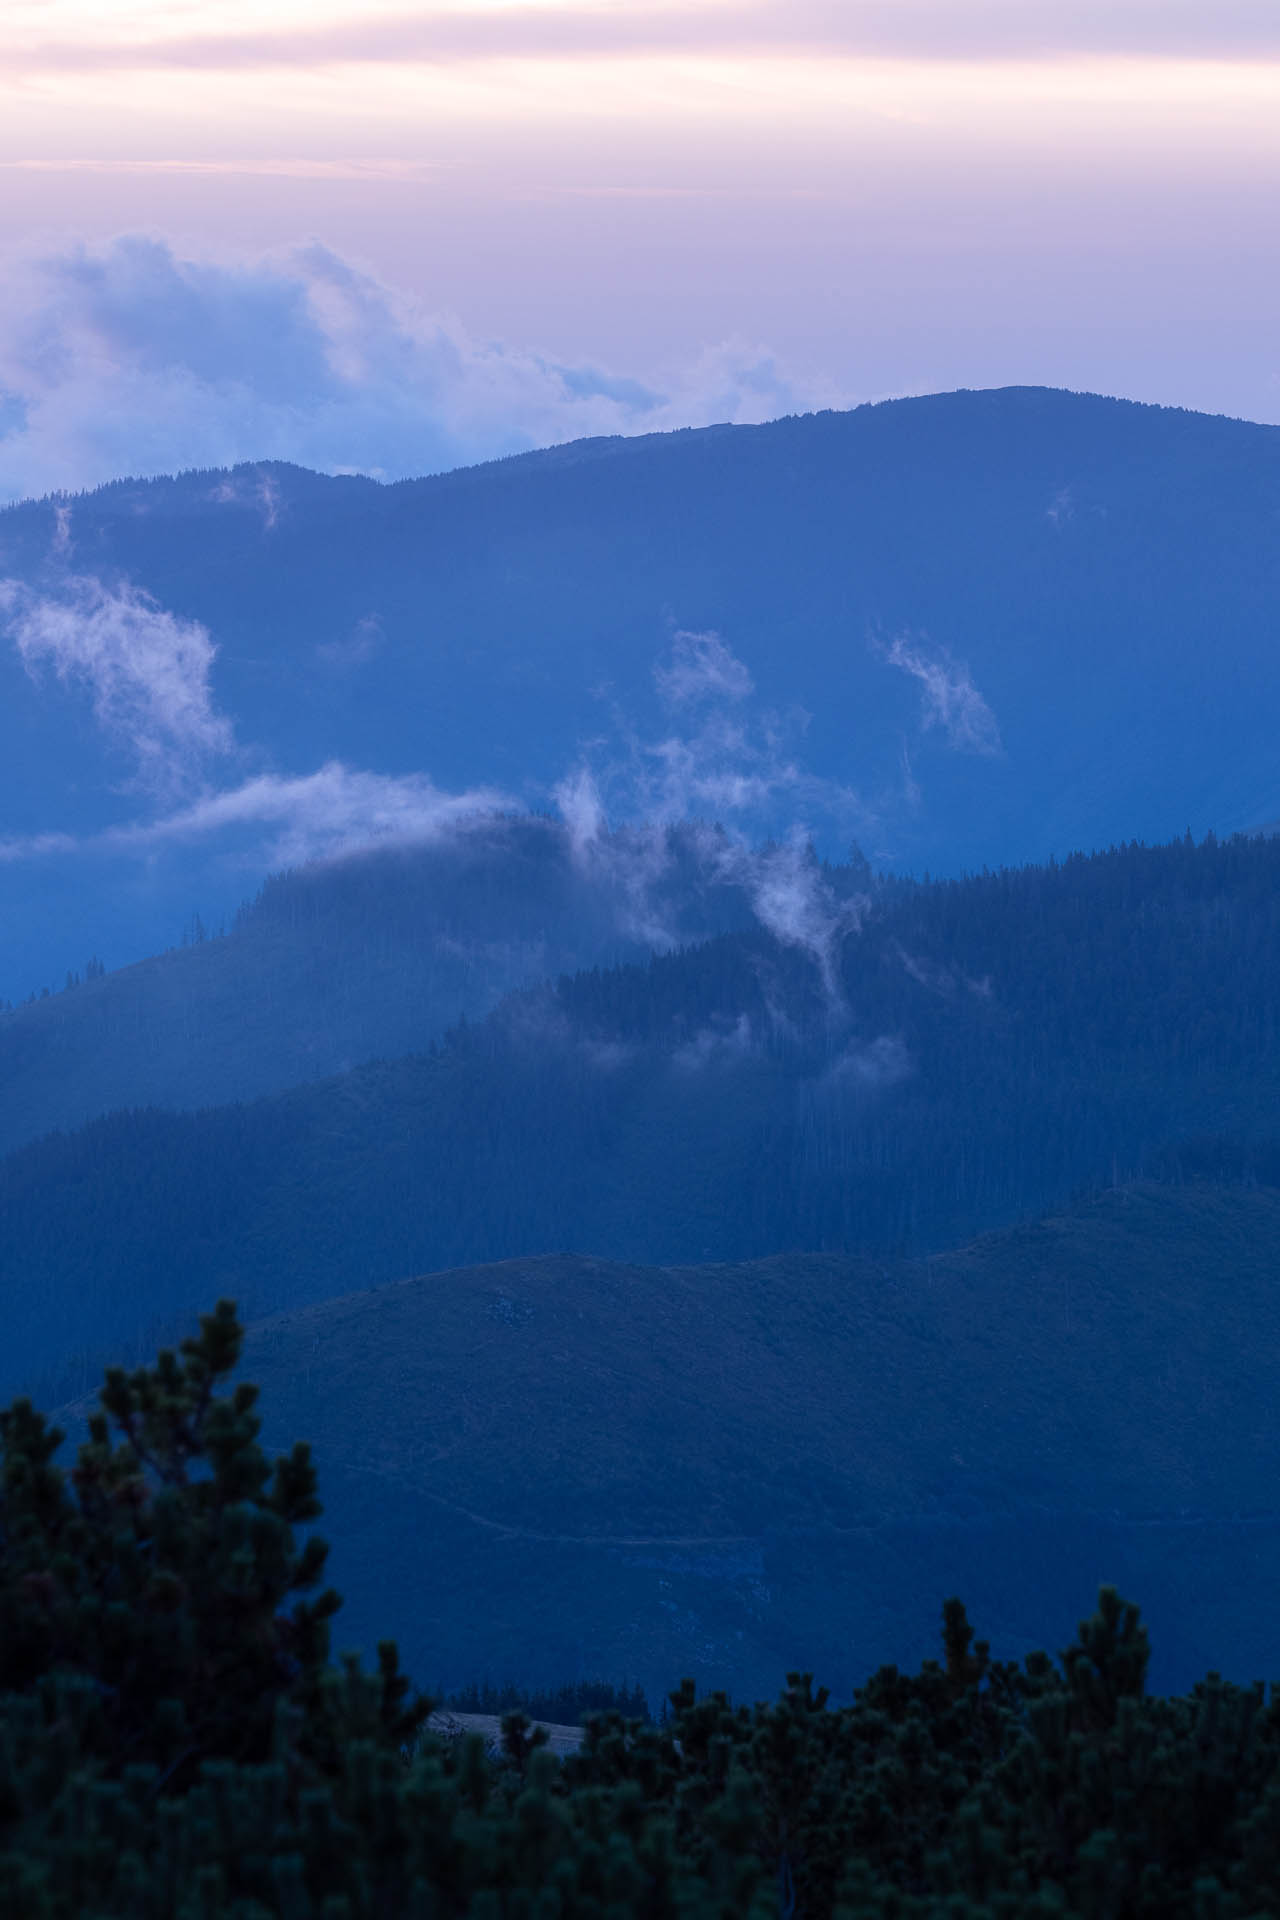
[[518, 1009], [975, 628]]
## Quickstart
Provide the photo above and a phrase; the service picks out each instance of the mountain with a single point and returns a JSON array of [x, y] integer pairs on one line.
[[891, 1070], [350, 960], [975, 626], [564, 1465]]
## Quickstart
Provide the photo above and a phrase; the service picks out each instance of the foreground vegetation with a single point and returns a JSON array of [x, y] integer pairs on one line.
[[175, 1741]]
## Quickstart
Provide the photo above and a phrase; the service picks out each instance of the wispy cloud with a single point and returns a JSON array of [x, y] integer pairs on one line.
[[146, 670], [735, 768], [316, 816], [701, 667], [870, 1067], [723, 758], [132, 360], [147, 673], [285, 820], [948, 697], [36, 846], [932, 29], [257, 167]]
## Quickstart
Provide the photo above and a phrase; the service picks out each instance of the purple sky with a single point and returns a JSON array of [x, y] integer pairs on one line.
[[395, 239]]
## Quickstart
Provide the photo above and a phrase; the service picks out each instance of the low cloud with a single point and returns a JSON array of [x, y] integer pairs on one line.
[[949, 700], [145, 670], [733, 767], [638, 820], [791, 897], [701, 667], [131, 360], [290, 819], [725, 758], [726, 1044], [870, 1068], [317, 816]]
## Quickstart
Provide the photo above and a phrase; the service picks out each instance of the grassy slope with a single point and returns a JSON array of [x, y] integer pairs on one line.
[[561, 1464]]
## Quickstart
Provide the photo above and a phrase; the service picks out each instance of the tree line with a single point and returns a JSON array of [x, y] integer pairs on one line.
[[177, 1741]]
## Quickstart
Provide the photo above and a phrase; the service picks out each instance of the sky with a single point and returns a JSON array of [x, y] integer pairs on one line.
[[395, 238]]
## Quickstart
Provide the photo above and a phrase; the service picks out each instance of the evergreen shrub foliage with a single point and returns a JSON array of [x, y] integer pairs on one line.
[[567, 1705], [177, 1744]]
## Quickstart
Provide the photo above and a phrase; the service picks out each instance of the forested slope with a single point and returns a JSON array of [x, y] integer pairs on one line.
[[349, 960], [973, 1053]]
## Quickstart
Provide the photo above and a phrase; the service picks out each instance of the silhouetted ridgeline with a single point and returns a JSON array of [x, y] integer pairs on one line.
[[977, 1051]]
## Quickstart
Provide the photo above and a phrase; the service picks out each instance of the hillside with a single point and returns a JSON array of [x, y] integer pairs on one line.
[[991, 1046], [951, 1058], [351, 960], [562, 1465], [1055, 568]]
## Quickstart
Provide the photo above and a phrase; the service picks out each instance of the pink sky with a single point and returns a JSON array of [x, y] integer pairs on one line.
[[743, 208]]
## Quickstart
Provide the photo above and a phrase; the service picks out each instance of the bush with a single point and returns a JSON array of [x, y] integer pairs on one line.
[[176, 1744]]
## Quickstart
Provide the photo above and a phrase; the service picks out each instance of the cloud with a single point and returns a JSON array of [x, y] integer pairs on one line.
[[36, 846], [727, 1044], [885, 1062], [948, 698], [132, 360], [735, 768], [731, 762], [317, 816], [290, 819], [923, 29], [146, 670], [701, 667], [577, 797], [797, 904], [357, 648]]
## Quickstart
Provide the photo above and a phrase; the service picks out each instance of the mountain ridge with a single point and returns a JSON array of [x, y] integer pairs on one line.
[[1069, 562]]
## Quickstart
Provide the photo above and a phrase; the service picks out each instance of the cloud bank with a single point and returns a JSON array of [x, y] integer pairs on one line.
[[131, 360]]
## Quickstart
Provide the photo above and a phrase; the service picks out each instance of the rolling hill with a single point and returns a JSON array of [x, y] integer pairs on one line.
[[562, 1465]]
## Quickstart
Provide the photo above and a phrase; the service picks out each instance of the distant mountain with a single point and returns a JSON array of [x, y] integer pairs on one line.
[[347, 961], [978, 626], [890, 1071], [563, 1465]]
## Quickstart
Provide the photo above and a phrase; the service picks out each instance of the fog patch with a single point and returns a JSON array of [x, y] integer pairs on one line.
[[870, 1068]]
